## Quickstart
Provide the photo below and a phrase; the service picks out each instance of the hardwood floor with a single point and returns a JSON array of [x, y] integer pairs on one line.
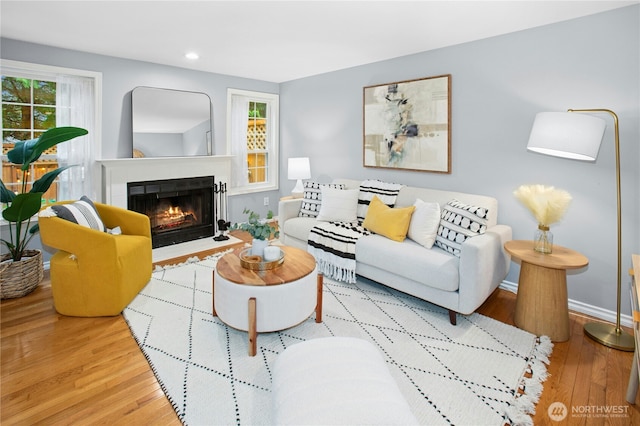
[[65, 370]]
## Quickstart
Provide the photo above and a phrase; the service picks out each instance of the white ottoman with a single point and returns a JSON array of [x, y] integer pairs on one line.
[[336, 381]]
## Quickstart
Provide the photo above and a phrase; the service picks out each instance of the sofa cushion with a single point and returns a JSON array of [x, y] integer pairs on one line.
[[408, 259], [458, 222], [338, 205], [424, 223], [391, 223], [82, 212], [312, 198]]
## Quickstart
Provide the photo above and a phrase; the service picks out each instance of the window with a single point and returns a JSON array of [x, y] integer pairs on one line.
[[28, 109], [252, 138], [36, 98]]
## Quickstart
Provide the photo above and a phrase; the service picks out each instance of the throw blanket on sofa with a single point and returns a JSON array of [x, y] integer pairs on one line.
[[333, 244]]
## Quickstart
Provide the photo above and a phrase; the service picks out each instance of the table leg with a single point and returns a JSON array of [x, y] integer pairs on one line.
[[542, 302], [213, 294], [253, 334], [319, 299]]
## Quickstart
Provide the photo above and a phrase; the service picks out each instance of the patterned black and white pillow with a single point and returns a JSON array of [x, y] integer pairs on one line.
[[312, 197], [385, 191], [459, 222], [83, 212]]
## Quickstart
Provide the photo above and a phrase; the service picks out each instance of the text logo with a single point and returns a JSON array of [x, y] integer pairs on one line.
[[557, 411]]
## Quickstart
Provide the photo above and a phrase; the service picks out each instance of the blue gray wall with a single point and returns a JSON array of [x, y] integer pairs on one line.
[[498, 85]]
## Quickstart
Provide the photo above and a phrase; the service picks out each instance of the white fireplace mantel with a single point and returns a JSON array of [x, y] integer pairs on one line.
[[118, 172]]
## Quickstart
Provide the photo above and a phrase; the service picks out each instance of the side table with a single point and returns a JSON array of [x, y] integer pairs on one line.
[[542, 303], [270, 300]]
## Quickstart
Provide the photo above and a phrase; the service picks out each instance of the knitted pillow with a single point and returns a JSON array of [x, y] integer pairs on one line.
[[458, 222], [82, 212], [312, 198]]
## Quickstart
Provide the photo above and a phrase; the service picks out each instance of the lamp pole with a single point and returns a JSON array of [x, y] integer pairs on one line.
[[603, 333]]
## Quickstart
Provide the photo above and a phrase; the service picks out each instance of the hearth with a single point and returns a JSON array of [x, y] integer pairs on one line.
[[179, 210]]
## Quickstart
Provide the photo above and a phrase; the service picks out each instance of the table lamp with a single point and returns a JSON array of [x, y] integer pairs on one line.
[[578, 137], [298, 169]]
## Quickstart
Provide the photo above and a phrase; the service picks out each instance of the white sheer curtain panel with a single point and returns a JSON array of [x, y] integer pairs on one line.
[[75, 107], [239, 124]]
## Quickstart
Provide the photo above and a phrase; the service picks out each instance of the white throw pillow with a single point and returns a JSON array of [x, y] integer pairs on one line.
[[338, 205], [424, 223]]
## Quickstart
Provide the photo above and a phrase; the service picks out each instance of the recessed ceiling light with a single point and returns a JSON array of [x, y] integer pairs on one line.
[[191, 55]]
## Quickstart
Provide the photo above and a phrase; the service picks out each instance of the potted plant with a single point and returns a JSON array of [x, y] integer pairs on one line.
[[259, 229], [21, 268]]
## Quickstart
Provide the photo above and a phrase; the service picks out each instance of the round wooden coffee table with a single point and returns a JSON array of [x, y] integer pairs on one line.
[[542, 302], [265, 301]]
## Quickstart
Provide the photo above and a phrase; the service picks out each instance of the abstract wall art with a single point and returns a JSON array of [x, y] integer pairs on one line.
[[407, 125]]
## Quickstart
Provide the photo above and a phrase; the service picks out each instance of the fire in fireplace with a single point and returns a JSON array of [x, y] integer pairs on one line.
[[179, 210]]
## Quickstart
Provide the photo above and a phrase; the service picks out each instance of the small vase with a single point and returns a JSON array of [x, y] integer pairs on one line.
[[543, 240], [258, 246]]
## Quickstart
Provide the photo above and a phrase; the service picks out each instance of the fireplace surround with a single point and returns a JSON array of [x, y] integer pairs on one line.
[[117, 174]]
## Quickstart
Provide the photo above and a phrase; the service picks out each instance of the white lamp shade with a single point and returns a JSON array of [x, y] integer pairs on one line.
[[299, 168], [567, 134]]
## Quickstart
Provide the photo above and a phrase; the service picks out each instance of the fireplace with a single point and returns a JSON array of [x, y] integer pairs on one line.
[[179, 210]]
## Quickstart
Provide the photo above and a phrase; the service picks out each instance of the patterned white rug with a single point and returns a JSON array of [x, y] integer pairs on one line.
[[472, 373]]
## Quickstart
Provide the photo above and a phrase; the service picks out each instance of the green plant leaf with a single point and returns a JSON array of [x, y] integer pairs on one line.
[[45, 181], [49, 139], [23, 207], [21, 150], [6, 196]]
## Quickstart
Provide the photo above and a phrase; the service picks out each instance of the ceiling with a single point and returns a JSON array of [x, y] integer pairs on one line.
[[275, 41]]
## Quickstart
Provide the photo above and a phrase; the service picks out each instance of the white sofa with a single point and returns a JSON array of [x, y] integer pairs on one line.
[[459, 284]]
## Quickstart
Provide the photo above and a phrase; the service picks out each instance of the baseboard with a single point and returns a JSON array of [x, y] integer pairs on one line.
[[583, 308]]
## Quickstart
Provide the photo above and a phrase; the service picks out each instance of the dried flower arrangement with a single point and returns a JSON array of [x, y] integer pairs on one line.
[[547, 205]]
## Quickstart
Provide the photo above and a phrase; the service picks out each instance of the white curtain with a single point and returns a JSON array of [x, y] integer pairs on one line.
[[239, 124], [75, 107]]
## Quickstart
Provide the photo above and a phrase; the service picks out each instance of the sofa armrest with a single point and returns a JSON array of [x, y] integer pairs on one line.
[[483, 266], [288, 209]]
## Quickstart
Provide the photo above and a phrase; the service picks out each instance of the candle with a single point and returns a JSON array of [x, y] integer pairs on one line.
[[271, 253]]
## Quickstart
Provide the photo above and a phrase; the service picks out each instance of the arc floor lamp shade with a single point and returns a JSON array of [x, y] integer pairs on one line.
[[567, 135], [578, 137]]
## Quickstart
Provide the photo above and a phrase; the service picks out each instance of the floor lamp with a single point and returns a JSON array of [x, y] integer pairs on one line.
[[578, 136]]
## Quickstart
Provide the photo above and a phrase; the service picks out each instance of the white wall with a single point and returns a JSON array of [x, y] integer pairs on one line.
[[498, 85]]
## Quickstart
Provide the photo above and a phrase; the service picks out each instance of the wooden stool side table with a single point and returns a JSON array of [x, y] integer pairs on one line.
[[542, 305], [270, 300]]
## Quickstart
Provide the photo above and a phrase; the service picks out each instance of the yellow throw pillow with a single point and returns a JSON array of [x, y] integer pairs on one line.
[[391, 223]]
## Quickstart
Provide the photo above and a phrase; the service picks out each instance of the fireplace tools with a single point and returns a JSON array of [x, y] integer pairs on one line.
[[222, 210]]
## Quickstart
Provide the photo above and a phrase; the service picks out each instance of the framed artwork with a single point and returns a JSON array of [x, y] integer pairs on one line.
[[407, 125]]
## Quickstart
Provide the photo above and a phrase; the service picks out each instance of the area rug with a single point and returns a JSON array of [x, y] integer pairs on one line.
[[480, 372]]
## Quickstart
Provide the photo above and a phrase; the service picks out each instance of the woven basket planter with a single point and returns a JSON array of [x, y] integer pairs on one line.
[[20, 278]]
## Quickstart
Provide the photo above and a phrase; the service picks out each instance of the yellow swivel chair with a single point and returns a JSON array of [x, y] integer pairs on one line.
[[95, 273]]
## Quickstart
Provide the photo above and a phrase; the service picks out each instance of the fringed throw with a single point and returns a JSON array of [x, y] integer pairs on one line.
[[333, 244]]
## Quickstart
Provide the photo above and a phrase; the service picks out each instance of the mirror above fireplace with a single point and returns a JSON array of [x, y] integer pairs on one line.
[[170, 123]]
